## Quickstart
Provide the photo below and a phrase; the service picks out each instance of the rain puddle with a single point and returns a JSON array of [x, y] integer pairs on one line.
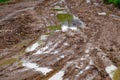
[[68, 21], [102, 13], [89, 47], [86, 68], [35, 67], [40, 41], [88, 1], [32, 47], [58, 76], [110, 70], [44, 48]]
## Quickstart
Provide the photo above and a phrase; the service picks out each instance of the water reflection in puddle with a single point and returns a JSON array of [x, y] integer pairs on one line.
[[43, 49], [58, 76], [110, 70], [35, 67], [37, 43], [68, 20], [32, 47]]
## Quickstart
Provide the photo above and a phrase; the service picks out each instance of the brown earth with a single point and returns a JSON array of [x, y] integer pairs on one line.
[[22, 25]]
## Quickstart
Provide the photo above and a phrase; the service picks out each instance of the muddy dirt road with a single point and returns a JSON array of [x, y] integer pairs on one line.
[[36, 43]]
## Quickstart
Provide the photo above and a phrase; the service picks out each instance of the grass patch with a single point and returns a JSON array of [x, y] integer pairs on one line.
[[20, 44], [2, 1], [40, 41], [53, 28], [64, 17], [117, 74], [115, 2], [108, 1], [8, 61]]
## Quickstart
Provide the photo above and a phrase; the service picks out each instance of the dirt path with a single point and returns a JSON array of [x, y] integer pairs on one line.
[[85, 50]]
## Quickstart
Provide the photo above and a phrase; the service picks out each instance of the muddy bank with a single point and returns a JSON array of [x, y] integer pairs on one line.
[[39, 45]]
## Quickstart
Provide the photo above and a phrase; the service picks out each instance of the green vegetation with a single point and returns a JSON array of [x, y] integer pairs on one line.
[[1, 1], [22, 52], [108, 1], [117, 74], [40, 42], [53, 28], [8, 61], [20, 44], [65, 17], [115, 2], [48, 33]]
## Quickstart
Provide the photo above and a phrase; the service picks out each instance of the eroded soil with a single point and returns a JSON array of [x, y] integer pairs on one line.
[[27, 46]]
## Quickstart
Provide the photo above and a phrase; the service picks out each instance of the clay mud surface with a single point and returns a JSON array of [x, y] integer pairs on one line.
[[35, 45]]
